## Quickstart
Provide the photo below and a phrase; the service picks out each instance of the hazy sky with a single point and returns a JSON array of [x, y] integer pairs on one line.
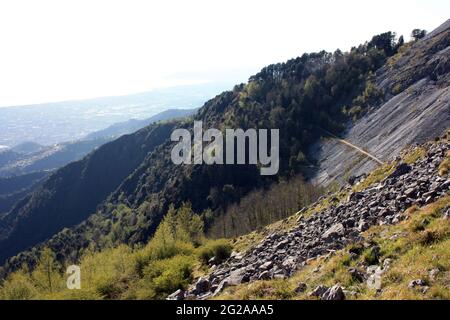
[[54, 50]]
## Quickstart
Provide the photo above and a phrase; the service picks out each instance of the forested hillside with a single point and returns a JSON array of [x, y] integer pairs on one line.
[[301, 97], [72, 193]]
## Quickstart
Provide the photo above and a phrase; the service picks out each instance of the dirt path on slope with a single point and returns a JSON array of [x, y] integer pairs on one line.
[[354, 147]]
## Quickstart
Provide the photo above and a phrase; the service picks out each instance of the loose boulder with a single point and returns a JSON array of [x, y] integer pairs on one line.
[[202, 286], [334, 293]]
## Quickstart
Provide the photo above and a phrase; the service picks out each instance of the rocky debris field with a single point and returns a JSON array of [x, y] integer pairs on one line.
[[282, 253]]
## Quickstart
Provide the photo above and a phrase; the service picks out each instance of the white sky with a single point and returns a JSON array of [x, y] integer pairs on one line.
[[54, 50]]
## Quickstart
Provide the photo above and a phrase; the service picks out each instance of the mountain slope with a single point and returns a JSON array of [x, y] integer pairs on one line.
[[322, 252], [315, 233], [30, 159], [133, 125], [73, 192], [302, 97], [415, 108], [56, 156], [15, 188]]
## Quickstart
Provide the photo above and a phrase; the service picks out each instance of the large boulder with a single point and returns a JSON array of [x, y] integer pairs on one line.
[[319, 291], [334, 232], [177, 295], [236, 277], [400, 170], [202, 286], [334, 293], [265, 275]]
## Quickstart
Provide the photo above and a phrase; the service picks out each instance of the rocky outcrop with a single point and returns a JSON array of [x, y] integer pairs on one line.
[[416, 108], [282, 253]]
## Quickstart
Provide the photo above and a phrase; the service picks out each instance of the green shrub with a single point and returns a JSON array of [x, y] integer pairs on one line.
[[163, 277], [219, 249], [18, 287], [111, 289], [397, 89], [371, 255], [177, 233]]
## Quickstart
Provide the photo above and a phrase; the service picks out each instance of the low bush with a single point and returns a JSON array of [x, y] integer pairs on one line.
[[219, 249]]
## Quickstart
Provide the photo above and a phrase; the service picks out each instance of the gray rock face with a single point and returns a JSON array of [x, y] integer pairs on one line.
[[334, 232], [177, 295], [202, 286], [334, 293], [419, 113], [282, 253], [319, 291]]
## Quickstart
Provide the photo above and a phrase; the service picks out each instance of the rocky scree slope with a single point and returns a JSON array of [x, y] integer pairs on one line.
[[282, 253], [415, 89]]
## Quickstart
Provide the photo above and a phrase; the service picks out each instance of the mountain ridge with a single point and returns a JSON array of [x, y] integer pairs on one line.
[[90, 190], [296, 96]]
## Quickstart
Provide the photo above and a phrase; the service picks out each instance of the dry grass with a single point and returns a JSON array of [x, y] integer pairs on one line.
[[375, 176], [415, 154], [410, 156], [444, 167]]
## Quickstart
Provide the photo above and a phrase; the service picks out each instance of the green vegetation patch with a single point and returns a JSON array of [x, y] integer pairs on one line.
[[177, 253]]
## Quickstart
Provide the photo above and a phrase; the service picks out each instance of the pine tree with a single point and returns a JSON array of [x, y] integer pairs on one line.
[[47, 272]]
